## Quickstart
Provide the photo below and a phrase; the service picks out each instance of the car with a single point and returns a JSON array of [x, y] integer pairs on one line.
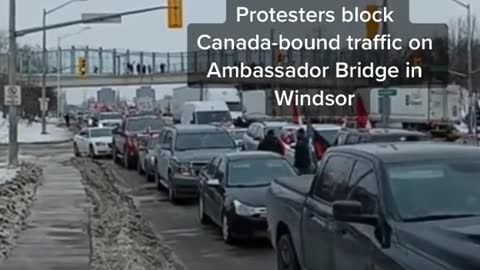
[[93, 142], [388, 205], [107, 119], [237, 134], [232, 192], [183, 151], [257, 131], [129, 134], [146, 157], [376, 135]]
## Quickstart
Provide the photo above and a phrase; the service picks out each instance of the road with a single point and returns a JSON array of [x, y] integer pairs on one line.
[[199, 247]]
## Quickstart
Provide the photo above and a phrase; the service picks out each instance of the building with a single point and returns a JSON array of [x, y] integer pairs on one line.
[[145, 92], [106, 96]]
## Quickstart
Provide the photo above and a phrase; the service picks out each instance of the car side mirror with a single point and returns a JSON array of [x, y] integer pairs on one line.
[[352, 211], [213, 182], [239, 144]]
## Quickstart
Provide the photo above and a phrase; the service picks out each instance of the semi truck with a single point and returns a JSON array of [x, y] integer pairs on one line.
[[418, 107], [227, 94]]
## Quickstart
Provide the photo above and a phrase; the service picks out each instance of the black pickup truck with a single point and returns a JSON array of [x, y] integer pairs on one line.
[[380, 206]]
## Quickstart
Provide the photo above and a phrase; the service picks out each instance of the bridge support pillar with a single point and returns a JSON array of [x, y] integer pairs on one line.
[[100, 60], [114, 62], [73, 61]]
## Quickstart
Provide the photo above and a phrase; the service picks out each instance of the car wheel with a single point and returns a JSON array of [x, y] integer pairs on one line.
[[226, 231], [172, 196], [75, 150], [202, 217], [286, 258], [156, 177], [91, 152], [139, 168], [114, 153]]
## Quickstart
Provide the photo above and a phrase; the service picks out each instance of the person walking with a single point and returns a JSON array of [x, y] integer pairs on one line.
[[271, 143], [303, 162], [67, 119]]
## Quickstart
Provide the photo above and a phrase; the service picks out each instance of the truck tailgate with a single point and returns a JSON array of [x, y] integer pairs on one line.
[[298, 184]]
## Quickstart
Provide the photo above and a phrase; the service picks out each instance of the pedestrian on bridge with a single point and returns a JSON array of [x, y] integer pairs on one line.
[[162, 68], [139, 68]]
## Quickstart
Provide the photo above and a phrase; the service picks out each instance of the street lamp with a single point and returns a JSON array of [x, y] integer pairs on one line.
[[59, 66], [44, 60]]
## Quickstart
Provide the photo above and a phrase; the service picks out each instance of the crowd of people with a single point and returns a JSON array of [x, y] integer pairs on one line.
[[140, 69]]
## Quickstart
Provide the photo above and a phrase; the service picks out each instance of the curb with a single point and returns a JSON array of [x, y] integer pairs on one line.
[[41, 143]]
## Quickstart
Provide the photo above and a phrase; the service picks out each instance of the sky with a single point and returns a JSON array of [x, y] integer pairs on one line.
[[148, 32]]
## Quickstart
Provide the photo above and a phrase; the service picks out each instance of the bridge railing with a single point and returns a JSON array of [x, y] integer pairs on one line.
[[113, 62]]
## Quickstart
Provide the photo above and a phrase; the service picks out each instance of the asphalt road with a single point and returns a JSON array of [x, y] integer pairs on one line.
[[199, 247]]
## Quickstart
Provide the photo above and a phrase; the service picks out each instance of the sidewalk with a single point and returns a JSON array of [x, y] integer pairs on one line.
[[55, 236]]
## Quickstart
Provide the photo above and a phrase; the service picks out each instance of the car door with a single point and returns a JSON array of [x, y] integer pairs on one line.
[[166, 154], [158, 150], [354, 243], [218, 192], [83, 141], [318, 230], [208, 195]]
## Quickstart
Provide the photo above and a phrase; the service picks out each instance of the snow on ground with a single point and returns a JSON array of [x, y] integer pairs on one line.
[[31, 133], [6, 174]]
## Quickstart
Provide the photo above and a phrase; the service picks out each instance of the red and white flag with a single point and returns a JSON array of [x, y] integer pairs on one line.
[[362, 115]]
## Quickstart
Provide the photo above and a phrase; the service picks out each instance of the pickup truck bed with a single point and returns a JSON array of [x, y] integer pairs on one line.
[[299, 184]]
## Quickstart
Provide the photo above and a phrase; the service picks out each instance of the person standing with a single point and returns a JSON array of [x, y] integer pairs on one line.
[[67, 119], [303, 162], [271, 143]]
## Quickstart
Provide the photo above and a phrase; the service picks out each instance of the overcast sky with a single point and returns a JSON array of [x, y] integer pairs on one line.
[[149, 32]]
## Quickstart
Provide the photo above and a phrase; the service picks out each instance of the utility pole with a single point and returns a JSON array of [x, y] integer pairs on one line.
[[386, 104], [12, 80], [473, 110], [44, 73]]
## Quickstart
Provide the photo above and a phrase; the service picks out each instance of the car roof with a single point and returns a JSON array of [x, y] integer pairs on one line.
[[197, 128], [411, 151], [246, 155], [384, 131], [135, 117], [315, 126], [274, 123]]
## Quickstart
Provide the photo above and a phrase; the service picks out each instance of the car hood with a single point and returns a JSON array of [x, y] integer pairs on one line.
[[101, 139], [453, 242], [251, 196], [201, 155]]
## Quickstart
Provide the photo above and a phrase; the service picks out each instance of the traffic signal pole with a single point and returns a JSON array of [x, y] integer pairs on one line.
[[43, 107]]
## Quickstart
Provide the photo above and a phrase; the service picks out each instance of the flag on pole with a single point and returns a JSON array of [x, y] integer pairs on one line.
[[362, 115]]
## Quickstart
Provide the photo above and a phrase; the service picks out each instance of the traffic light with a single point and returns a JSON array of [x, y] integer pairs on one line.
[[372, 26], [175, 14], [82, 67], [280, 57]]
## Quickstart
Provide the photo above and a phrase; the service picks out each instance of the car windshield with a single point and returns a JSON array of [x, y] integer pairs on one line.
[[237, 134], [208, 117], [445, 188], [100, 132], [257, 172], [208, 140], [110, 116], [234, 106], [142, 124]]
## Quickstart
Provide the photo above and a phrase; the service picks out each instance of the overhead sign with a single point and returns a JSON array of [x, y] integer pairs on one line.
[[13, 95], [89, 16], [387, 92]]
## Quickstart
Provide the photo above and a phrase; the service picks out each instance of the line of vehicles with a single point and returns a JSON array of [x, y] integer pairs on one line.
[[378, 199]]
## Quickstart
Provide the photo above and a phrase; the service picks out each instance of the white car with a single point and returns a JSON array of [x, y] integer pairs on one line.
[[93, 142]]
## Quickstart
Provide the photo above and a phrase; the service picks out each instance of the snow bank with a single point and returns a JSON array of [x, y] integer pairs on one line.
[[6, 174], [16, 197], [31, 133]]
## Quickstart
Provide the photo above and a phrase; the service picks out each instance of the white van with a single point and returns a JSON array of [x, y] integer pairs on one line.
[[205, 112]]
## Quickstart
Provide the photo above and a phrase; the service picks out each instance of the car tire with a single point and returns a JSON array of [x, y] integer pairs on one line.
[[139, 168], [172, 196], [91, 152], [157, 179], [226, 231], [114, 153], [285, 253], [202, 217], [75, 150]]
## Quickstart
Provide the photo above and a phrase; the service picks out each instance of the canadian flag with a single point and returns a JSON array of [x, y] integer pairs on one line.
[[362, 115], [297, 118]]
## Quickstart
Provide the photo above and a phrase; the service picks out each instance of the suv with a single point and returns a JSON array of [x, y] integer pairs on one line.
[[257, 131], [377, 135], [182, 151], [132, 132]]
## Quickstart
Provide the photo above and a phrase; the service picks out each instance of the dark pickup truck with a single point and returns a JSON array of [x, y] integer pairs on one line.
[[380, 206]]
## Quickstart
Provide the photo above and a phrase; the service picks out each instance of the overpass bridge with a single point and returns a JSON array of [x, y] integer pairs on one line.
[[115, 67]]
